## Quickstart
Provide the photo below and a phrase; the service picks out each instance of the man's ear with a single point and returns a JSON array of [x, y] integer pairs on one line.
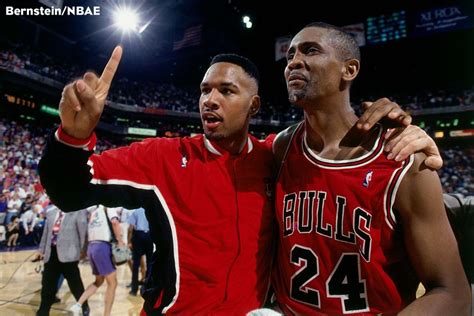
[[351, 69], [255, 105]]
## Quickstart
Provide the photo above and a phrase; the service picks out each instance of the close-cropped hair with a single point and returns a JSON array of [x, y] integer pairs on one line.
[[247, 65], [343, 41]]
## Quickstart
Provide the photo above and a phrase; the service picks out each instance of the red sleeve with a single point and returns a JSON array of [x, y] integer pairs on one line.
[[136, 163]]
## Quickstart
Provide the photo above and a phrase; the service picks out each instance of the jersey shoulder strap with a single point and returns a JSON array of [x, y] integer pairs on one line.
[[281, 144]]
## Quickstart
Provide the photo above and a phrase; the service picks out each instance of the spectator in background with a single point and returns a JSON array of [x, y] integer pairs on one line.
[[3, 207], [99, 252], [29, 229], [27, 203], [13, 231], [62, 244], [14, 205], [140, 243], [124, 215]]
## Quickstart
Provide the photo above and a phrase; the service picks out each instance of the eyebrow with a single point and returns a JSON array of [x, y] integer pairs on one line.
[[303, 45], [223, 84]]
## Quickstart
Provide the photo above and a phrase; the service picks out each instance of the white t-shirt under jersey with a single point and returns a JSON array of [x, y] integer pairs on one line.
[[98, 227]]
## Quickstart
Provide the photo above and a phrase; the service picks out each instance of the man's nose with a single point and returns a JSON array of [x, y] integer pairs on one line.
[[212, 100], [296, 62]]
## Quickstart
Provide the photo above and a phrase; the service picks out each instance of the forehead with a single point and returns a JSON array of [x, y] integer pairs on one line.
[[310, 34], [223, 71]]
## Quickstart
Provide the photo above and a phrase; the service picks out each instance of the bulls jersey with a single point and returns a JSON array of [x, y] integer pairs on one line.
[[210, 215], [340, 248]]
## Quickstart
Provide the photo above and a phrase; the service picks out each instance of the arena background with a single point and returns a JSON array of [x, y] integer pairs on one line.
[[418, 53]]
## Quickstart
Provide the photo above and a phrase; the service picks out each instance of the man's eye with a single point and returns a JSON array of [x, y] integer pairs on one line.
[[289, 56]]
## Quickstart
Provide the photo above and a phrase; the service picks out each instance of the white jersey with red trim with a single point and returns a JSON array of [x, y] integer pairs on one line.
[[340, 248], [210, 214]]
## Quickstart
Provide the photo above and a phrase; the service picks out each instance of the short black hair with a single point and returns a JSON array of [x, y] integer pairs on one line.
[[343, 41], [247, 65]]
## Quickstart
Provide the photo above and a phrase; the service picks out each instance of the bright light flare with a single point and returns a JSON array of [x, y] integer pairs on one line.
[[126, 19]]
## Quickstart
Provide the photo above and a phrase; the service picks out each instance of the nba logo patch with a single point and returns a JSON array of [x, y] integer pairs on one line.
[[368, 178], [184, 162]]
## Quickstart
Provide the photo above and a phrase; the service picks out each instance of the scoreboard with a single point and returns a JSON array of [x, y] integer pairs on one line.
[[387, 27]]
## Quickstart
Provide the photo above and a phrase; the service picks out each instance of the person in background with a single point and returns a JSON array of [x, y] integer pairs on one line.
[[99, 252], [29, 228], [13, 231], [140, 243], [62, 245]]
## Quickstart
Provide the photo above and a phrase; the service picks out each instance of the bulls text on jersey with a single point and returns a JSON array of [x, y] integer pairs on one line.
[[310, 206]]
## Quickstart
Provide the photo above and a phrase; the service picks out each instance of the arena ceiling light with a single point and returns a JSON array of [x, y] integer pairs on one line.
[[247, 22], [126, 19]]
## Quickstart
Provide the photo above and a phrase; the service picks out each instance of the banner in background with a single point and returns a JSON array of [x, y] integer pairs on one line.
[[442, 20], [281, 46]]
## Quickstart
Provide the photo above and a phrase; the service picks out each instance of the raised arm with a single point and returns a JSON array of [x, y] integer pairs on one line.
[[431, 245], [73, 177], [83, 100]]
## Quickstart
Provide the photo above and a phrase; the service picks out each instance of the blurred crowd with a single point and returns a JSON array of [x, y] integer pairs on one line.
[[22, 200], [21, 56], [184, 99], [457, 174]]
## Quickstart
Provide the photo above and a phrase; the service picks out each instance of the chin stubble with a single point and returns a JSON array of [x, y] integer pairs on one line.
[[295, 96], [214, 136]]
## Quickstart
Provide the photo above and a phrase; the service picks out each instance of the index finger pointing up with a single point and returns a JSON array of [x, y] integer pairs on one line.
[[112, 65]]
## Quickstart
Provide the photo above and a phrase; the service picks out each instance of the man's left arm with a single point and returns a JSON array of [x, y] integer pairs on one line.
[[431, 244]]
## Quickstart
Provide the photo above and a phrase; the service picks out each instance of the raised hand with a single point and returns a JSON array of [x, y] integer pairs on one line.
[[83, 100], [384, 109]]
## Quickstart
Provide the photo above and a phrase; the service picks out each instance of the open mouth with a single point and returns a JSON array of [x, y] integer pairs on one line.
[[211, 120]]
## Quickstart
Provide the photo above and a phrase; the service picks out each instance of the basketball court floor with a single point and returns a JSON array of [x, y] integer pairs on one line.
[[20, 290]]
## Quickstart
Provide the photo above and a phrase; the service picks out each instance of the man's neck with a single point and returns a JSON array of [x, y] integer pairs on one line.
[[330, 129], [233, 146]]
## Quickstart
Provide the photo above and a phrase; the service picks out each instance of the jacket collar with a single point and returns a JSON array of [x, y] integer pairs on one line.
[[213, 148]]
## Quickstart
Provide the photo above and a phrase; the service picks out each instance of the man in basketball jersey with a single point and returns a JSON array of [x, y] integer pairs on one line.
[[207, 198], [357, 231]]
